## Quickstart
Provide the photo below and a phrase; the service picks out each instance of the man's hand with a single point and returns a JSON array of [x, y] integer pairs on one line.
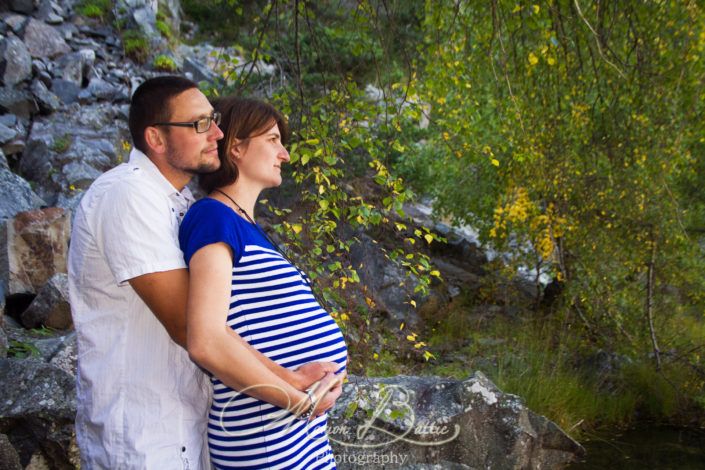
[[308, 374]]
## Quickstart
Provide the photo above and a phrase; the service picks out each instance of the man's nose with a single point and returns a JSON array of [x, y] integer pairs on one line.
[[215, 131]]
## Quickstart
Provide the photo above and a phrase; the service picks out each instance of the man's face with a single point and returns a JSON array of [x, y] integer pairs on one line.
[[188, 151]]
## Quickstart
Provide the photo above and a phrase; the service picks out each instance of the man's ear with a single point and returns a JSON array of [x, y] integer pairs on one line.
[[154, 139]]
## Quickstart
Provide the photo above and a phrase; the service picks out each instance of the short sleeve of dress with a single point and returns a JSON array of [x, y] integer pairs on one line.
[[207, 222]]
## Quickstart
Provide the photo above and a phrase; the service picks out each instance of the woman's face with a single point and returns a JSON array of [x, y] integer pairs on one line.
[[259, 159]]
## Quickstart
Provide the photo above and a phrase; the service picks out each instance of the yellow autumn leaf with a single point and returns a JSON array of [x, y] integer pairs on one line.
[[413, 303], [428, 237], [296, 228], [533, 60], [495, 162], [551, 61]]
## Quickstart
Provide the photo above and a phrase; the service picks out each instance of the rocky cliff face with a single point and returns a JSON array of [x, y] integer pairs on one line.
[[64, 96]]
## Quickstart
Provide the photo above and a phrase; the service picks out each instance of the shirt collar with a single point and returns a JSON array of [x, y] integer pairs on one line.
[[142, 161]]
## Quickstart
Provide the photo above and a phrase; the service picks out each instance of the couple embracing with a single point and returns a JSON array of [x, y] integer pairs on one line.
[[199, 342]]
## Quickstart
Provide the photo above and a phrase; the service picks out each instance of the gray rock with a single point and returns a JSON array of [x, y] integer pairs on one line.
[[469, 423], [9, 460], [53, 346], [6, 134], [17, 194], [100, 89], [145, 18], [69, 149], [34, 247], [15, 61], [4, 345], [386, 281], [71, 66], [16, 23], [39, 404], [50, 12], [198, 71], [66, 91], [8, 120], [22, 6], [70, 202], [18, 102], [47, 101], [51, 305], [43, 40], [65, 357]]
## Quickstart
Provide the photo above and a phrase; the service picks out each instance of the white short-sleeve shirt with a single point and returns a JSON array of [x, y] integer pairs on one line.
[[141, 402]]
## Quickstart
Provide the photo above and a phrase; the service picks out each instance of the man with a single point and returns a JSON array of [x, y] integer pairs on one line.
[[141, 402]]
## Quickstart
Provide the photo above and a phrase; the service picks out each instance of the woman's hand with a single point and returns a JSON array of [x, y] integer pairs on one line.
[[327, 392]]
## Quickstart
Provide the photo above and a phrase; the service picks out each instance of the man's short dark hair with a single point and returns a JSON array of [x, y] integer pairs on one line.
[[151, 103]]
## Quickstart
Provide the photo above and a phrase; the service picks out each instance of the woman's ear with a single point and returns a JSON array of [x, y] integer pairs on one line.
[[235, 149], [154, 139]]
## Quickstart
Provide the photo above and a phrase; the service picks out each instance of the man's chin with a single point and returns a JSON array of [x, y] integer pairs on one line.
[[205, 168]]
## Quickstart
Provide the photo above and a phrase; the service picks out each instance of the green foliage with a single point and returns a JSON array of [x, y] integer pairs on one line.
[[22, 349], [164, 29], [165, 63], [566, 132], [136, 45], [567, 146], [61, 144], [99, 9]]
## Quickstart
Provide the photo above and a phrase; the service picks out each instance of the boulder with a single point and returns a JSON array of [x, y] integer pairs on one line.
[[415, 422], [22, 6], [66, 151], [98, 89], [37, 411], [386, 281], [50, 12], [33, 247], [4, 344], [43, 40], [15, 61], [65, 356], [67, 91], [16, 23], [9, 460], [48, 102], [7, 134], [51, 305], [17, 194], [18, 102]]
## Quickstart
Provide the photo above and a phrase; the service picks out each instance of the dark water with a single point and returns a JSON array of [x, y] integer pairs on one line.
[[646, 447]]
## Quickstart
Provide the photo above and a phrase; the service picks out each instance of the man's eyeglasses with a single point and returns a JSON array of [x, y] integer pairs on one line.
[[201, 126]]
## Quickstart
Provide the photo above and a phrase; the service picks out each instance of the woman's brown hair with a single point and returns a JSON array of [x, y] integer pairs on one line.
[[241, 119]]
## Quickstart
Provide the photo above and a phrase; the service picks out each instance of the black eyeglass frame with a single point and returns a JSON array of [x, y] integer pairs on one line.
[[215, 117]]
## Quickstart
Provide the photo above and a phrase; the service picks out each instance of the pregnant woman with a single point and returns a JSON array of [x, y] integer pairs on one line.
[[251, 312]]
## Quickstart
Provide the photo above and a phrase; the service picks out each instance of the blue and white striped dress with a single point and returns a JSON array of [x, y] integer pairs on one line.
[[273, 309]]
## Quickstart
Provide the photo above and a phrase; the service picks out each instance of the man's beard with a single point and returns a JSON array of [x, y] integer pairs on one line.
[[202, 167]]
